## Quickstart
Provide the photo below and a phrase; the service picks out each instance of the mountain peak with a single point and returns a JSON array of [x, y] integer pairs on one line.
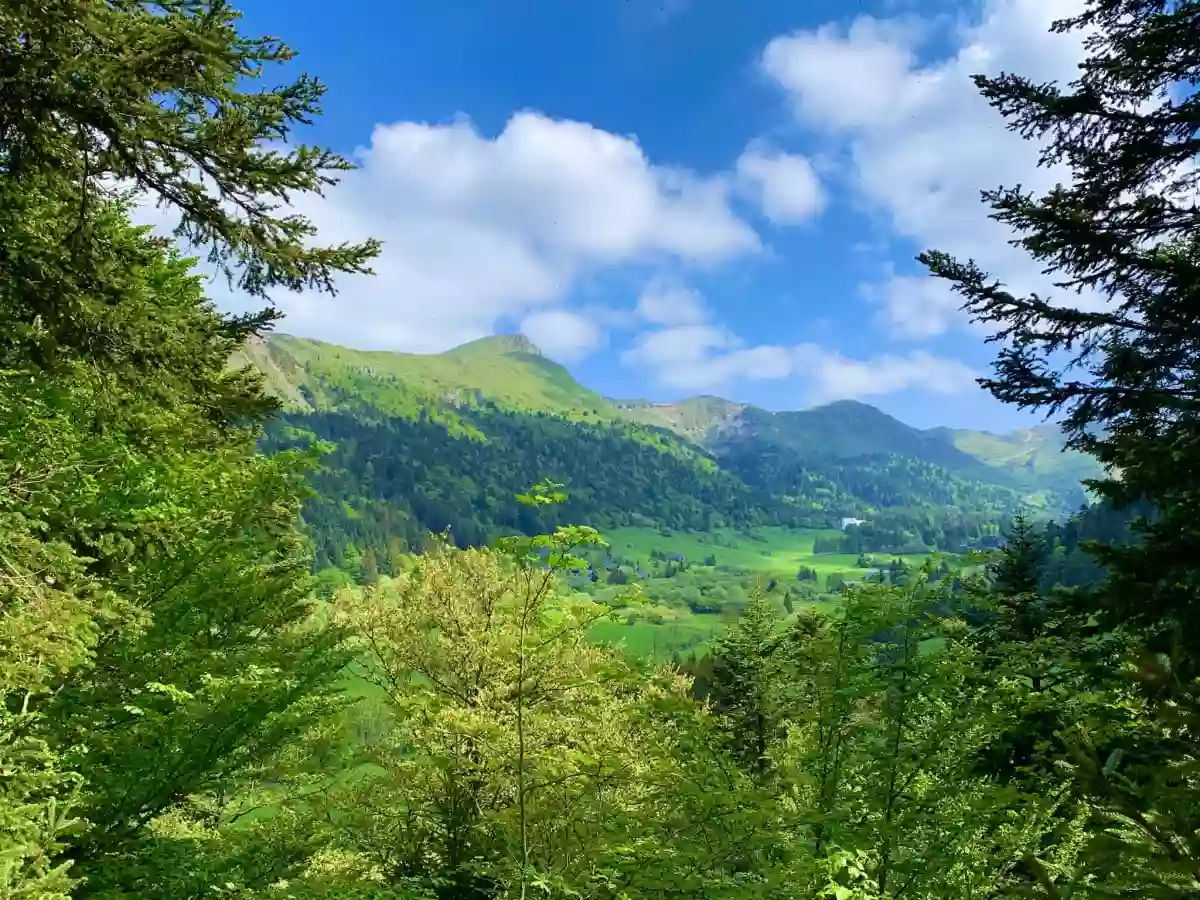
[[848, 406], [496, 345]]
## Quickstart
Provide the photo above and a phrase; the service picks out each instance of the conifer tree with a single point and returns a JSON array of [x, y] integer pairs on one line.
[[156, 650], [162, 95], [1016, 574], [1124, 368], [749, 680], [1017, 570]]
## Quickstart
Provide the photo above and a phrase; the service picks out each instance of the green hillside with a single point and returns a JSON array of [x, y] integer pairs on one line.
[[444, 441], [1035, 455], [846, 429], [702, 419], [506, 370], [854, 449], [1030, 461]]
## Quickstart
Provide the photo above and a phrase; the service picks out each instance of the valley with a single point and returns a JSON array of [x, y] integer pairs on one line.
[[479, 423], [697, 584], [704, 502], [286, 620]]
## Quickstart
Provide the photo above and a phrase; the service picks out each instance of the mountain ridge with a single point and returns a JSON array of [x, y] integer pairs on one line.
[[510, 371], [426, 442], [649, 411]]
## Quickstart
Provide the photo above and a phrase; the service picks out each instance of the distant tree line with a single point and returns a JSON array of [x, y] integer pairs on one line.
[[386, 485], [402, 478]]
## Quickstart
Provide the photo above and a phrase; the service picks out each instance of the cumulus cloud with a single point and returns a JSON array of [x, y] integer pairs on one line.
[[477, 229], [914, 306], [832, 376], [703, 356], [783, 184], [920, 140], [663, 302], [562, 334]]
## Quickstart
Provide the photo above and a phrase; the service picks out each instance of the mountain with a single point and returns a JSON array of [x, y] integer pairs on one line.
[[445, 441], [700, 419], [1034, 454], [747, 438], [845, 430], [507, 370]]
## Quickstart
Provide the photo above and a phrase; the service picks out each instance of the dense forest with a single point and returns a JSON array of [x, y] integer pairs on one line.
[[384, 486], [408, 470], [182, 716], [415, 447]]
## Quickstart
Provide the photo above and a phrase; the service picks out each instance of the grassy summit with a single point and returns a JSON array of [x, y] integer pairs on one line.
[[505, 370]]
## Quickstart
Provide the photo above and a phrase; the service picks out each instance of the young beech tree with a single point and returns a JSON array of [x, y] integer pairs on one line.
[[518, 751], [515, 759]]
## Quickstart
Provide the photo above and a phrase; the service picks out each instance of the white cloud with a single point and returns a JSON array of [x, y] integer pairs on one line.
[[831, 376], [664, 302], [476, 230], [783, 184], [921, 141], [689, 352], [709, 357], [564, 335], [701, 357], [915, 306], [812, 66]]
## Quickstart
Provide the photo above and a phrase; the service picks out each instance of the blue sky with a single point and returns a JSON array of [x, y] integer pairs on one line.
[[675, 197]]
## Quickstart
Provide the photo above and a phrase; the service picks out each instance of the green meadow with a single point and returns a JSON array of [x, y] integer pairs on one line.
[[681, 634], [738, 563], [770, 551]]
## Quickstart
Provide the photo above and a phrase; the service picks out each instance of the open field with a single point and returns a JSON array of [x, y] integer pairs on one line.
[[744, 561], [684, 634], [773, 551]]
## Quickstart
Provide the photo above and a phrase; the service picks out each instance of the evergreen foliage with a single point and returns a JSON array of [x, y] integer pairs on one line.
[[1125, 232], [371, 498], [157, 656], [181, 119], [369, 494]]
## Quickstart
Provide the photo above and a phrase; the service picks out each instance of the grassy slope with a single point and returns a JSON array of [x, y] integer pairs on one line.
[[700, 419], [1036, 450], [1034, 458], [769, 551], [678, 633], [843, 430], [510, 372], [764, 552], [506, 371], [848, 429]]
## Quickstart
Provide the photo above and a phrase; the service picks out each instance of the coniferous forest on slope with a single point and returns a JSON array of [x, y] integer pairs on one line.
[[186, 714], [403, 479]]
